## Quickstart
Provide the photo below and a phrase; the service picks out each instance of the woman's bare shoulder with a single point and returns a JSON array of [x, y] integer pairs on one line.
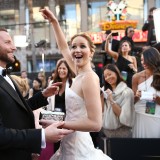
[[139, 77], [139, 74], [133, 57], [90, 77]]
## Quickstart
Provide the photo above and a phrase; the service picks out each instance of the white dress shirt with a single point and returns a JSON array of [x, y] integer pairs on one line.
[[7, 78]]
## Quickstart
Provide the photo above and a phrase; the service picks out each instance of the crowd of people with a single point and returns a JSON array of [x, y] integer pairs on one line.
[[126, 106]]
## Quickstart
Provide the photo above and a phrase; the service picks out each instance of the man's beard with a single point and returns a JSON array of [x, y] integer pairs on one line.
[[5, 59]]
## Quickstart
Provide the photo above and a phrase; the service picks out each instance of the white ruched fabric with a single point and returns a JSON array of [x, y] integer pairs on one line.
[[78, 145]]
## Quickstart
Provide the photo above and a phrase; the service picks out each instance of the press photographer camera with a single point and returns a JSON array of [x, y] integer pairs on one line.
[[41, 43]]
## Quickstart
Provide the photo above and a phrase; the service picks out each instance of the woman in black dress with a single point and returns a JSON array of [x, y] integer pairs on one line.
[[124, 61]]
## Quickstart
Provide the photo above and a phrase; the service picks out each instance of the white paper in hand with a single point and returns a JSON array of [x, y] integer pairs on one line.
[[146, 95], [104, 93]]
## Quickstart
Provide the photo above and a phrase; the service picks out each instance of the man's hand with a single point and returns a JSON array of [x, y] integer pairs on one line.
[[53, 133], [51, 90], [45, 123]]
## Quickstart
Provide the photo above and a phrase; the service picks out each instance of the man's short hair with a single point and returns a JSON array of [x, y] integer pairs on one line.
[[126, 30], [3, 29], [108, 32], [152, 9], [23, 71]]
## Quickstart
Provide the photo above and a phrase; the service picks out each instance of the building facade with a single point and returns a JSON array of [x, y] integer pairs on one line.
[[22, 17]]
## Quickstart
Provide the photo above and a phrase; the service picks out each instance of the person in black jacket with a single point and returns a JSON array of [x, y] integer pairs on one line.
[[18, 136], [149, 26]]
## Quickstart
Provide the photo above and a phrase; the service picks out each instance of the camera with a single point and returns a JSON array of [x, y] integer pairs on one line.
[[115, 34], [49, 115], [40, 43]]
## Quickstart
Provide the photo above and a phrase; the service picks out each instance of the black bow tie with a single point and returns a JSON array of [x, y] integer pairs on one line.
[[6, 71]]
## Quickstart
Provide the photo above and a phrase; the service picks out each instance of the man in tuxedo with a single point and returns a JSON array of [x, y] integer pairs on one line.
[[114, 44], [18, 136]]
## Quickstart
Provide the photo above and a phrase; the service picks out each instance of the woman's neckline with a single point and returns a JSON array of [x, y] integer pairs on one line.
[[125, 56], [83, 73], [147, 74]]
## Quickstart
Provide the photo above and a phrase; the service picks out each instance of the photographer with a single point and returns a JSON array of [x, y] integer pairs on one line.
[[149, 26]]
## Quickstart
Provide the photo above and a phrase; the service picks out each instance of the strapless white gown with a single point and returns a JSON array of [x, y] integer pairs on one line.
[[146, 125], [78, 145]]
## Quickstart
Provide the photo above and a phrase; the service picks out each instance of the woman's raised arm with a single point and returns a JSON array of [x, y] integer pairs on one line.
[[59, 35], [113, 54]]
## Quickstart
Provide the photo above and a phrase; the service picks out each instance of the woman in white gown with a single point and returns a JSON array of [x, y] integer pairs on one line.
[[83, 103], [146, 86]]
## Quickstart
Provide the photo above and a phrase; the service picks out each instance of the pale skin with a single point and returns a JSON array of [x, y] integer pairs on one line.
[[136, 80], [7, 48], [125, 50], [78, 58]]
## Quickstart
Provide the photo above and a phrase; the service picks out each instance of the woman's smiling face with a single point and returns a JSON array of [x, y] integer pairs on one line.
[[62, 71], [80, 50], [110, 77]]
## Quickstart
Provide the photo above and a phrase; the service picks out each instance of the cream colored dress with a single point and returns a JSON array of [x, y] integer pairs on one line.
[[78, 145]]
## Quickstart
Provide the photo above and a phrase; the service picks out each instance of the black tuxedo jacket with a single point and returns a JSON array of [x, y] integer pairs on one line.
[[18, 138]]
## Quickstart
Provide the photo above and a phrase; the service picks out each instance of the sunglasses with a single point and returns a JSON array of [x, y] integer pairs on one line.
[[131, 31]]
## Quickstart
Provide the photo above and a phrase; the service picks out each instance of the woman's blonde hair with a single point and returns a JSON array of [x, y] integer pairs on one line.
[[86, 36], [22, 84]]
